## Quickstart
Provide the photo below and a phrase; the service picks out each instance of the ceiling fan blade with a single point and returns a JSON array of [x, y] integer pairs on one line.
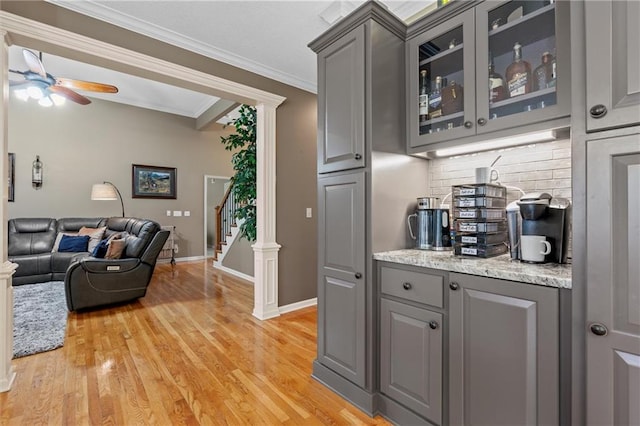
[[34, 63], [86, 85], [70, 94]]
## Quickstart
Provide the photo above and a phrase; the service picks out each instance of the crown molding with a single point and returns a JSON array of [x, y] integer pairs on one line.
[[106, 14], [32, 29]]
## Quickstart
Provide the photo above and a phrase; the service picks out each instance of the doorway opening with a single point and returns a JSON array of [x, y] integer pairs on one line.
[[214, 189]]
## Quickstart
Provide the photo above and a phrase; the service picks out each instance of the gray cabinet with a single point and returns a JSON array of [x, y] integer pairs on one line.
[[341, 281], [613, 64], [613, 283], [412, 312], [460, 50], [503, 352], [341, 103]]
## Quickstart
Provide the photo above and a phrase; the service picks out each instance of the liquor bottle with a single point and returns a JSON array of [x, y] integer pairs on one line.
[[497, 87], [435, 100], [452, 98], [542, 73], [554, 74], [518, 74], [423, 98]]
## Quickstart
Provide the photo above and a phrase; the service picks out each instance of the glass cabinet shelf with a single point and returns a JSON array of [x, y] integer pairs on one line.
[[457, 48]]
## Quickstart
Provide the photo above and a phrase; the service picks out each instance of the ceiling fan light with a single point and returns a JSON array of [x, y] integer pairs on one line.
[[45, 102], [35, 92], [21, 94], [57, 99]]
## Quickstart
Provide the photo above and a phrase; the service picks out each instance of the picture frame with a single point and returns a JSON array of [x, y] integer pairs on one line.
[[12, 177], [153, 182]]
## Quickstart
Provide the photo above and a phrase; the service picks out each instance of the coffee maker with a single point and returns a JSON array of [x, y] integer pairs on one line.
[[544, 215]]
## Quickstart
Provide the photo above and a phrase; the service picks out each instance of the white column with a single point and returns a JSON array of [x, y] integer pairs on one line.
[[265, 249], [6, 268]]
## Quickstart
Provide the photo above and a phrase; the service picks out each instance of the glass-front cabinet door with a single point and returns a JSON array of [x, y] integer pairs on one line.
[[522, 63], [441, 83]]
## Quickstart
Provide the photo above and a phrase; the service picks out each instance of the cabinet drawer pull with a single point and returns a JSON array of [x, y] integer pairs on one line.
[[407, 286], [358, 157], [454, 285], [598, 111], [468, 124], [433, 324], [358, 275], [482, 121], [598, 329]]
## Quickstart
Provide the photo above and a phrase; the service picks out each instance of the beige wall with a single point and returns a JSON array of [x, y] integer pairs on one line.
[[83, 145], [295, 133]]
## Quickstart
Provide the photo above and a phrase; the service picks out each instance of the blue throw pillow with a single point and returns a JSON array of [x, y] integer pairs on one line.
[[101, 249], [73, 244]]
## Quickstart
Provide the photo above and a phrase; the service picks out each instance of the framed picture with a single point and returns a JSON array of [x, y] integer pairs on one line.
[[12, 176], [153, 182]]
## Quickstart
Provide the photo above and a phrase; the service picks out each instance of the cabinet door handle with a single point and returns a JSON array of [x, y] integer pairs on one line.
[[454, 285], [433, 324], [598, 111], [482, 121], [468, 124], [358, 275], [407, 286], [358, 157], [598, 329]]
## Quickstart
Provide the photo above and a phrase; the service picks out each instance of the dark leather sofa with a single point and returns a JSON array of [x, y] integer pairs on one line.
[[89, 281]]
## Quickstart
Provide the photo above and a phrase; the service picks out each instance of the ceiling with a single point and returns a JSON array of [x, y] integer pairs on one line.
[[266, 37]]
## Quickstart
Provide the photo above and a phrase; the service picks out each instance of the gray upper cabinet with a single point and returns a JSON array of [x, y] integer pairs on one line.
[[613, 64], [503, 352], [613, 283], [341, 103], [474, 103], [341, 281]]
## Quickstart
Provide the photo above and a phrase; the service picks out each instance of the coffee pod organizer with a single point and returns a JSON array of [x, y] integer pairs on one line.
[[479, 219]]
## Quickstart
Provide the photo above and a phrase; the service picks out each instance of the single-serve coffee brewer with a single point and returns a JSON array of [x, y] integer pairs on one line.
[[544, 228], [432, 225]]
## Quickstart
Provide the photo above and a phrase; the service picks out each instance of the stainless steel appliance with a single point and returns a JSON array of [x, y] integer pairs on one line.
[[547, 216], [432, 225]]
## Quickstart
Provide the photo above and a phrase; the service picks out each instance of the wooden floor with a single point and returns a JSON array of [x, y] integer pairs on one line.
[[189, 352]]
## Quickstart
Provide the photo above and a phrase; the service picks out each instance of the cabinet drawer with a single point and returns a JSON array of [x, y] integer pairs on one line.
[[413, 286]]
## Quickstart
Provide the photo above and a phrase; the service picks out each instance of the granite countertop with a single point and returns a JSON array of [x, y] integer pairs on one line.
[[547, 274]]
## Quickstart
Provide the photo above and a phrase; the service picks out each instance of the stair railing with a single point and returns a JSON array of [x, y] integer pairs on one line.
[[225, 218]]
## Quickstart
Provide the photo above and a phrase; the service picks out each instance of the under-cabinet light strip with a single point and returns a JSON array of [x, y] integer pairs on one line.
[[547, 135]]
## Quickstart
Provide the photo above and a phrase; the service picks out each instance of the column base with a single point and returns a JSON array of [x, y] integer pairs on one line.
[[265, 257]]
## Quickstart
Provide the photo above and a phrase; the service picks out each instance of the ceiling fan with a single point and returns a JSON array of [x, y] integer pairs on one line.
[[49, 90]]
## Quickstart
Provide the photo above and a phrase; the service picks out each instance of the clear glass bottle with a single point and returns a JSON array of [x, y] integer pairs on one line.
[[423, 98], [542, 73], [518, 74], [554, 74], [435, 100], [497, 86]]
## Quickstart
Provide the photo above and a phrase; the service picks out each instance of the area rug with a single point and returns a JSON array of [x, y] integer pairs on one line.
[[39, 318]]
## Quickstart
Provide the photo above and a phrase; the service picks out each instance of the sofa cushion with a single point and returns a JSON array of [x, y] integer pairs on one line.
[[74, 244], [115, 248], [101, 249], [32, 264], [56, 244], [95, 235], [73, 224], [141, 231], [30, 236], [60, 261]]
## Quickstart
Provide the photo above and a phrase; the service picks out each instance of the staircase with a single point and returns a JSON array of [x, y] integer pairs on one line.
[[227, 226]]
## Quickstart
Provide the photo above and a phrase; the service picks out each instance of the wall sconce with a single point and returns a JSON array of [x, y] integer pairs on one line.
[[106, 191], [36, 173]]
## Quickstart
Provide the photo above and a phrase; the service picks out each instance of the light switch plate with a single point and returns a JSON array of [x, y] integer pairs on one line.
[[177, 212], [168, 212], [187, 213], [309, 214]]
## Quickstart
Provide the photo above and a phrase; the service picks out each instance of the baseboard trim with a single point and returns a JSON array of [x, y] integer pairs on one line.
[[234, 272], [298, 305], [357, 396], [182, 259]]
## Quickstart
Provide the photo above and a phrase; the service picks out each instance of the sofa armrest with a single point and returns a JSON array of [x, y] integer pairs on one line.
[[105, 266]]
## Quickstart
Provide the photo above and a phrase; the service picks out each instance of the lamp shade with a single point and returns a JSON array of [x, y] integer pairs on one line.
[[103, 191]]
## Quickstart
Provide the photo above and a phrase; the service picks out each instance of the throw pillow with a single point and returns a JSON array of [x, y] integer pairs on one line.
[[70, 243], [95, 235], [115, 249], [58, 238], [101, 249]]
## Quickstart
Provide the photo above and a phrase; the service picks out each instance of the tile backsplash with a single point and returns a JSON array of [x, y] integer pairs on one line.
[[541, 167]]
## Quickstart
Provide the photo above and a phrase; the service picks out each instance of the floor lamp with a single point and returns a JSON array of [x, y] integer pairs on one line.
[[106, 191]]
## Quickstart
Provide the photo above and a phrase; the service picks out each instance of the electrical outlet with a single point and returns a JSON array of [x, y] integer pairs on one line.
[[175, 248], [168, 212], [177, 212]]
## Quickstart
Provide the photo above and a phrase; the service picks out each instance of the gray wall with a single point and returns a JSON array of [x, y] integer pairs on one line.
[[83, 145], [240, 257], [295, 133], [215, 192]]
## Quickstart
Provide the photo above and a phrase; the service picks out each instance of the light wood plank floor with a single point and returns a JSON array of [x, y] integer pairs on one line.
[[189, 352]]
